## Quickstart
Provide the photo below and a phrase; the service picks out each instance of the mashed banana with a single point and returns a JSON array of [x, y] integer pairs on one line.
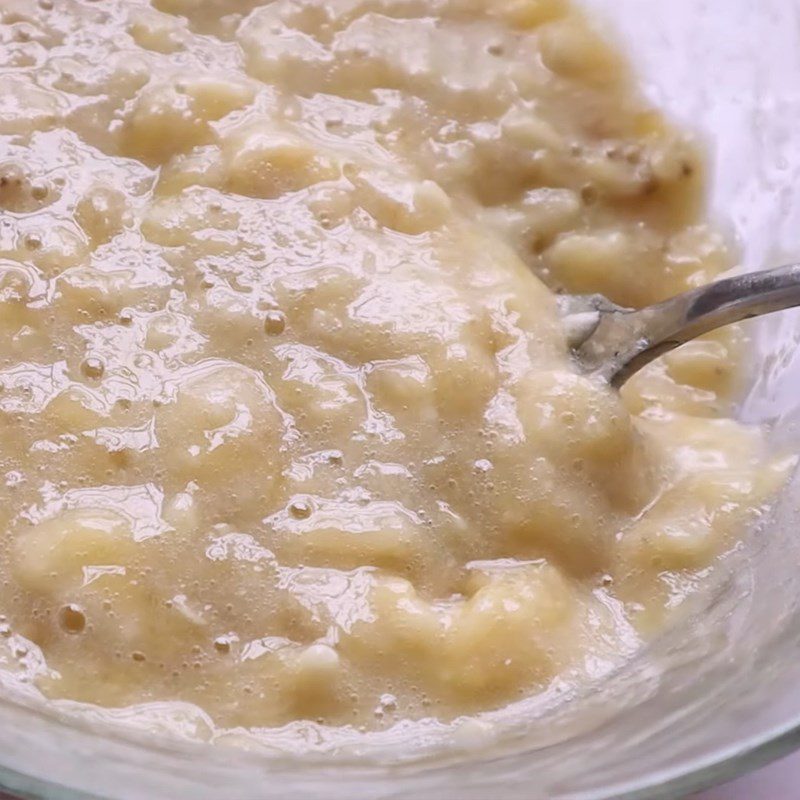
[[289, 428]]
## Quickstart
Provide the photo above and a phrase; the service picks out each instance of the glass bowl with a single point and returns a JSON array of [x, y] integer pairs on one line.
[[717, 694]]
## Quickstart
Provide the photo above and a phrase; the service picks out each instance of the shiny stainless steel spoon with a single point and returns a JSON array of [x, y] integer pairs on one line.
[[615, 342]]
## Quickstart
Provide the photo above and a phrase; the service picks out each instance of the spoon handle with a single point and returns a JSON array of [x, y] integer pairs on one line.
[[625, 340]]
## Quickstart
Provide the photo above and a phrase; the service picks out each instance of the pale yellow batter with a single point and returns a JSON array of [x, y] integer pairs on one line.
[[289, 428]]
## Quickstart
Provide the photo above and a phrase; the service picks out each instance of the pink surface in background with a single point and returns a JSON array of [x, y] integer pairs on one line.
[[778, 781]]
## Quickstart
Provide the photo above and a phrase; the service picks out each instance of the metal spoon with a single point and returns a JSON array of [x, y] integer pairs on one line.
[[615, 342]]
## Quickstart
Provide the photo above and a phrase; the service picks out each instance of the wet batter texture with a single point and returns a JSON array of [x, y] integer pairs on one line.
[[289, 428]]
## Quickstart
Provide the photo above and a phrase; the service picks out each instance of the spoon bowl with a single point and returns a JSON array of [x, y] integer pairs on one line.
[[614, 342]]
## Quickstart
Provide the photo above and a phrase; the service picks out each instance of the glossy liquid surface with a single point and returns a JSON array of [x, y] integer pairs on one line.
[[288, 425]]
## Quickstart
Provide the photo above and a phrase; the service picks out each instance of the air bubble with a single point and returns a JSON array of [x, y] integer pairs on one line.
[[71, 619], [274, 322], [93, 368], [300, 508]]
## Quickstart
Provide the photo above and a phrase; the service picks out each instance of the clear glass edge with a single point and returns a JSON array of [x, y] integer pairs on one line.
[[690, 775]]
